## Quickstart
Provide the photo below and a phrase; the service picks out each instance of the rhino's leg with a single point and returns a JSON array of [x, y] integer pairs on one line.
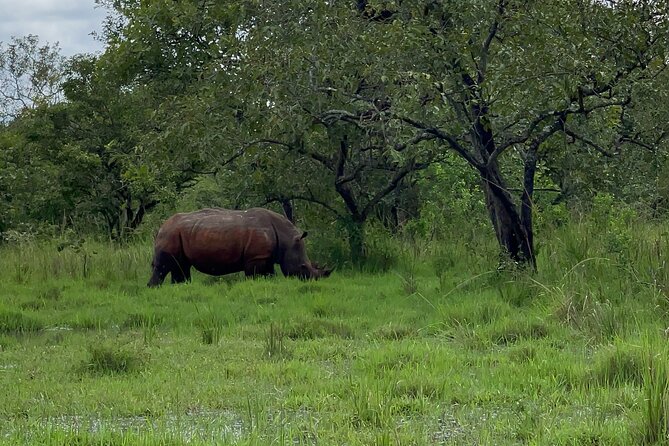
[[263, 268], [180, 272]]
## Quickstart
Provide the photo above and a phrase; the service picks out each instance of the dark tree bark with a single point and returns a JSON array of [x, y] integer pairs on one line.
[[288, 210], [356, 240], [513, 232], [527, 201], [514, 237]]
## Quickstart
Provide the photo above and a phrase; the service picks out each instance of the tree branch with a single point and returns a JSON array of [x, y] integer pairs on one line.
[[325, 161], [309, 198], [589, 142], [411, 166], [439, 134], [485, 49], [425, 136]]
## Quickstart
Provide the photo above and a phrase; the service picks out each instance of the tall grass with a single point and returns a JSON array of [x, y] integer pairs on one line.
[[437, 346], [654, 427], [37, 261]]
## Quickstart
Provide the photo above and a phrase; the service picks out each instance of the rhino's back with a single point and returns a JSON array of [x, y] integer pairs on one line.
[[220, 241]]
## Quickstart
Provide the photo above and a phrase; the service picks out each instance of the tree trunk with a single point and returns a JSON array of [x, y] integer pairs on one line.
[[527, 201], [515, 239], [288, 210], [143, 208], [356, 240]]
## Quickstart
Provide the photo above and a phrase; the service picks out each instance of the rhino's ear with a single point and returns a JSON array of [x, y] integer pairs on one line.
[[304, 234]]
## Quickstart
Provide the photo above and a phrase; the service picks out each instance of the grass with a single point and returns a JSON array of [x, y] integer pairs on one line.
[[113, 358], [441, 349]]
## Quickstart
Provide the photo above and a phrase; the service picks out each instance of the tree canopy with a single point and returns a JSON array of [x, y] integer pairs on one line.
[[345, 106]]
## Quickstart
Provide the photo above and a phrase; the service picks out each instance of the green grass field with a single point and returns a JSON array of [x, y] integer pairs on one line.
[[439, 349]]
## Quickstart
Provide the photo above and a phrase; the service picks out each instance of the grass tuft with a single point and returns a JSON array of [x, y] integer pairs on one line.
[[394, 332], [619, 365], [655, 424], [523, 354], [318, 328], [6, 342], [142, 320], [275, 343], [511, 331], [211, 325], [17, 322], [113, 358], [51, 293]]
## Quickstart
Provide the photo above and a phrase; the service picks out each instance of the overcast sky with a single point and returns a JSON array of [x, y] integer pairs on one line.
[[68, 22]]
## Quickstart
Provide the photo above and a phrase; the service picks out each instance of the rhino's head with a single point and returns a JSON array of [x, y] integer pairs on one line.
[[296, 262]]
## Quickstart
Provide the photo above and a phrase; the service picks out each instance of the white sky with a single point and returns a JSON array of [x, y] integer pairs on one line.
[[68, 22]]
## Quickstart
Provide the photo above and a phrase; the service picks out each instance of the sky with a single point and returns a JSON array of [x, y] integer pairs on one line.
[[68, 22]]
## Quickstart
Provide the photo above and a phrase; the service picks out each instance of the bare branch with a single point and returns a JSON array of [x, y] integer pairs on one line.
[[648, 146], [332, 116], [425, 136], [560, 114], [309, 198], [539, 189]]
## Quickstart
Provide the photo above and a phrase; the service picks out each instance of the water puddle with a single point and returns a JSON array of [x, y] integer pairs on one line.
[[199, 426]]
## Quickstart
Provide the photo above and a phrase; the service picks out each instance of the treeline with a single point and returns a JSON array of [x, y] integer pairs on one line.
[[394, 112]]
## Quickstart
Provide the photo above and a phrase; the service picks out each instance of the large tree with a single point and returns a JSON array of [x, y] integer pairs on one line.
[[364, 89], [494, 81]]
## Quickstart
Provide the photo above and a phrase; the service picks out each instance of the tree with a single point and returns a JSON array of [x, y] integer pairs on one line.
[[364, 90], [224, 96], [312, 66], [33, 165], [154, 88], [495, 81], [30, 75]]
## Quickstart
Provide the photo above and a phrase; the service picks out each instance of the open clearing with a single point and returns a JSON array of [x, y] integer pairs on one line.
[[89, 355]]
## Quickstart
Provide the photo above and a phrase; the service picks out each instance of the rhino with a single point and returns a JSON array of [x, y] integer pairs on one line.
[[219, 241]]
